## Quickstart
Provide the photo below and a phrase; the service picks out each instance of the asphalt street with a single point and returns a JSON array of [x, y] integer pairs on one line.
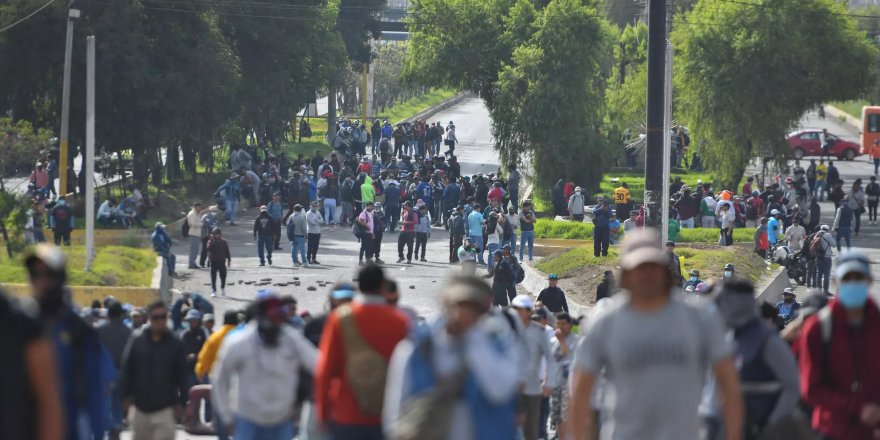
[[419, 283]]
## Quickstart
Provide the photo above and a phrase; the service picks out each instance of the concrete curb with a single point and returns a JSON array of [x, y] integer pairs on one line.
[[535, 281], [770, 287], [162, 282], [431, 111], [839, 114]]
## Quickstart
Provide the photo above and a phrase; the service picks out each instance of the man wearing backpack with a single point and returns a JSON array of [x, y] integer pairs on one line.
[[839, 359], [456, 229], [766, 365], [576, 205], [355, 349]]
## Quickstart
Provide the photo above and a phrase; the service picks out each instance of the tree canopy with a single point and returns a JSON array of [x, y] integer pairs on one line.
[[746, 73]]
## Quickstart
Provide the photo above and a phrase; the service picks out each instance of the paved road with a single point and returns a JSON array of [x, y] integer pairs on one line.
[[419, 283], [868, 241]]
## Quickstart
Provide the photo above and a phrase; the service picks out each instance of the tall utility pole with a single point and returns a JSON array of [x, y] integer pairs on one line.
[[655, 109], [65, 104], [89, 156], [667, 142]]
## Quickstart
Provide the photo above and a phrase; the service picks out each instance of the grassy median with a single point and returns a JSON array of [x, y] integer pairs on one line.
[[114, 266], [570, 230]]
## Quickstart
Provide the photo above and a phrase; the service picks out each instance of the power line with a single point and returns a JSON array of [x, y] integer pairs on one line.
[[801, 11], [27, 16]]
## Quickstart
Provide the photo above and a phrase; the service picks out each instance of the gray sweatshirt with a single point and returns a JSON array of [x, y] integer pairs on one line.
[[535, 347], [298, 219]]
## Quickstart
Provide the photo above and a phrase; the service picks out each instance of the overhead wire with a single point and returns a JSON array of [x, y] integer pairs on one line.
[[23, 19]]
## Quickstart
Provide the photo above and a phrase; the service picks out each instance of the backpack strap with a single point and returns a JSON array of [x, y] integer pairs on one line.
[[351, 337], [826, 324]]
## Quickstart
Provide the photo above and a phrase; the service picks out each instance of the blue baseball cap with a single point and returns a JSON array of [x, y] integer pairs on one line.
[[340, 294], [552, 276]]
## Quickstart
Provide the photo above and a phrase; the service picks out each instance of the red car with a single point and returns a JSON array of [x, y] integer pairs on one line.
[[806, 143]]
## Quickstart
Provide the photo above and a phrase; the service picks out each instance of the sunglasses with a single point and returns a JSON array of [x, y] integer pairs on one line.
[[158, 317]]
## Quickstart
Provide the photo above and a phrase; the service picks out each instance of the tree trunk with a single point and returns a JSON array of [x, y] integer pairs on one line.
[[331, 115], [6, 239]]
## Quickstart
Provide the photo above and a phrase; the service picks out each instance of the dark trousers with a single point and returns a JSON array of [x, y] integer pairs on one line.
[[203, 255], [455, 242], [393, 216], [264, 248], [277, 242], [312, 247], [421, 243], [405, 239], [62, 236], [545, 414], [377, 245], [366, 247], [601, 238], [872, 209], [218, 267], [356, 432]]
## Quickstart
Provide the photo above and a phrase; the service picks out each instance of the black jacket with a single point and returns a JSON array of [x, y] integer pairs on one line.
[[554, 299], [154, 373], [264, 225]]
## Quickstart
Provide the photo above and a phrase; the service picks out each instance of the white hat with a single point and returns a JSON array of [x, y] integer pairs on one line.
[[640, 247], [523, 302]]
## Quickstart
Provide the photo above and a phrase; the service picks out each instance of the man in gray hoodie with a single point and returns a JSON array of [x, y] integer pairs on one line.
[[296, 233]]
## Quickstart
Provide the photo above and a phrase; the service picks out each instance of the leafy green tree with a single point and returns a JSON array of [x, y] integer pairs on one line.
[[20, 145], [626, 97], [746, 74], [548, 105]]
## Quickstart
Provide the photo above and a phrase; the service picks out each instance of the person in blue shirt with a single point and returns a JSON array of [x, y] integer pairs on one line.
[[276, 211], [162, 245], [387, 130], [601, 229], [231, 190], [451, 195], [788, 309], [475, 230], [424, 190], [774, 231]]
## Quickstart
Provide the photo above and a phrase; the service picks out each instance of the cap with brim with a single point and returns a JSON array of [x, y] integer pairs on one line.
[[160, 225], [462, 293], [788, 291], [263, 208], [377, 205], [552, 276], [50, 255], [642, 247], [825, 228], [208, 317], [523, 302], [193, 314], [851, 262], [341, 294]]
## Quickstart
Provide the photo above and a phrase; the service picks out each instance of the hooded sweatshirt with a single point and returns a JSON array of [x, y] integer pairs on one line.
[[368, 192]]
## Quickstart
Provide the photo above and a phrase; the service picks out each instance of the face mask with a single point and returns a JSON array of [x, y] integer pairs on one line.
[[728, 274], [693, 278], [853, 295]]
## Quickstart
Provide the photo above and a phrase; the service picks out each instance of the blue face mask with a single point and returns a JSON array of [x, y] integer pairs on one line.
[[853, 295], [728, 274], [693, 278]]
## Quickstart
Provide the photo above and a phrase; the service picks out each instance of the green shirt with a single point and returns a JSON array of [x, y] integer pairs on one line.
[[674, 228]]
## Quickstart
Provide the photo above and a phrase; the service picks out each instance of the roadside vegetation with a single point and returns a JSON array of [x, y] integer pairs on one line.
[[113, 266]]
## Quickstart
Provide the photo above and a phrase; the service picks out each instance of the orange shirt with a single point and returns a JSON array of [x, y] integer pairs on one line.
[[382, 327]]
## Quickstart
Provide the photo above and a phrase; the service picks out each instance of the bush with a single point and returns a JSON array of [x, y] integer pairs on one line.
[[557, 229]]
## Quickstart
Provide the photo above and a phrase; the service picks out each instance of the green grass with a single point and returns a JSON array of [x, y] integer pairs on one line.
[[636, 182], [710, 262], [555, 229], [113, 266], [853, 108]]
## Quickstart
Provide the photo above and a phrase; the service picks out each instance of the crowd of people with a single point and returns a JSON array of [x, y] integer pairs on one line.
[[370, 368]]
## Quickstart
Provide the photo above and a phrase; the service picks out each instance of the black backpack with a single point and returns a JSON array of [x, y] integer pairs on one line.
[[518, 270], [184, 228]]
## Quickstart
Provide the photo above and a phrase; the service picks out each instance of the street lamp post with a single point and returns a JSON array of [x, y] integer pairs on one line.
[[65, 104]]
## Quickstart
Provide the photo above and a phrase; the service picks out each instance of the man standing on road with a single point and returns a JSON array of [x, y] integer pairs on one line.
[[194, 221], [296, 233], [314, 219], [536, 348], [209, 222], [659, 349], [275, 208], [154, 378], [266, 358], [563, 345], [406, 238], [527, 230], [552, 296], [456, 227], [825, 251], [220, 258], [774, 227], [475, 231], [513, 178], [795, 234], [114, 335], [356, 346], [264, 234], [423, 232], [368, 236], [843, 222], [193, 338], [838, 357]]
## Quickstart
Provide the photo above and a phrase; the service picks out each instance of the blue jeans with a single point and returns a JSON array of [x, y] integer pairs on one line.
[[247, 430], [526, 237], [492, 248], [478, 240], [356, 432], [330, 212], [231, 208], [264, 247], [844, 232], [821, 188], [170, 261], [512, 243], [298, 245], [514, 198], [823, 273]]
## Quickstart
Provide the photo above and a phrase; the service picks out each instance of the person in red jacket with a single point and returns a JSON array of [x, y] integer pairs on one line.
[[839, 359], [381, 326]]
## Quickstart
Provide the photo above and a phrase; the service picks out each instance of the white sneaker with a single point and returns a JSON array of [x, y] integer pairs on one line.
[[222, 292], [213, 293]]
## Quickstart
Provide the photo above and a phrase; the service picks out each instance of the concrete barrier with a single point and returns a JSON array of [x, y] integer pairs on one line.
[[843, 116], [136, 296], [431, 111], [769, 288]]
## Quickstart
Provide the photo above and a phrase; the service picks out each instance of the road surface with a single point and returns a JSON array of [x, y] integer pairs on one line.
[[419, 283]]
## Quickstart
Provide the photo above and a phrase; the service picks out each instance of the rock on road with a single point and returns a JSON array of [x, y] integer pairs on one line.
[[419, 283]]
